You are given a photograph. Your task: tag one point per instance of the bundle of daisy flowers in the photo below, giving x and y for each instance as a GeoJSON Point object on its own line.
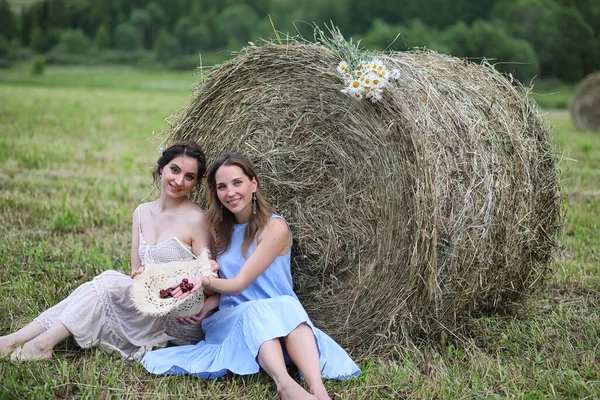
{"type": "Point", "coordinates": [367, 80]}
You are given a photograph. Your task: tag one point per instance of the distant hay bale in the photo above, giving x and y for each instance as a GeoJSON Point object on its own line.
{"type": "Point", "coordinates": [585, 105]}
{"type": "Point", "coordinates": [408, 215]}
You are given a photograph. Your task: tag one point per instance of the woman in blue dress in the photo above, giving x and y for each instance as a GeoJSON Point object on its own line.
{"type": "Point", "coordinates": [260, 321]}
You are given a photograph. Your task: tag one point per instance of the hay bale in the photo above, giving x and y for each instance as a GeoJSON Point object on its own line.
{"type": "Point", "coordinates": [408, 215]}
{"type": "Point", "coordinates": [585, 105]}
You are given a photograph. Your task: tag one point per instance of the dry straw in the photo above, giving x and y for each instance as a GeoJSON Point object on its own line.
{"type": "Point", "coordinates": [408, 215]}
{"type": "Point", "coordinates": [585, 105]}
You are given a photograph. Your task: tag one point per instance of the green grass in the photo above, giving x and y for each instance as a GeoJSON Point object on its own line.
{"type": "Point", "coordinates": [76, 160]}
{"type": "Point", "coordinates": [104, 77]}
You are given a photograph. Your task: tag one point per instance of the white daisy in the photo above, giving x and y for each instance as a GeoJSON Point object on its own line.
{"type": "Point", "coordinates": [342, 68]}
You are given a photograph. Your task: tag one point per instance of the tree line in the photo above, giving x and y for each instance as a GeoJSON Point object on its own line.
{"type": "Point", "coordinates": [547, 38]}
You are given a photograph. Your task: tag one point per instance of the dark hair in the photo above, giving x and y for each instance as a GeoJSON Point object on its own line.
{"type": "Point", "coordinates": [221, 219]}
{"type": "Point", "coordinates": [190, 149]}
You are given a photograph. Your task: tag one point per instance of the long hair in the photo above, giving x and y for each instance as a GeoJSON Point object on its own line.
{"type": "Point", "coordinates": [221, 219]}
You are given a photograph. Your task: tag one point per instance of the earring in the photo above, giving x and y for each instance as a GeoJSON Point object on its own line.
{"type": "Point", "coordinates": [254, 203]}
{"type": "Point", "coordinates": [221, 213]}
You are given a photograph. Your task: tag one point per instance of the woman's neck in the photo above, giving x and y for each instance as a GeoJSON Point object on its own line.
{"type": "Point", "coordinates": [165, 203]}
{"type": "Point", "coordinates": [242, 219]}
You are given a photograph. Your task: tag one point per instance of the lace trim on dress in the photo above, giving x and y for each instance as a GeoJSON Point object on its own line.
{"type": "Point", "coordinates": [112, 317]}
{"type": "Point", "coordinates": [45, 321]}
{"type": "Point", "coordinates": [164, 251]}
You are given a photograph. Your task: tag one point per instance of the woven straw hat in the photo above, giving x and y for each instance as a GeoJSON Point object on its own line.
{"type": "Point", "coordinates": [145, 290]}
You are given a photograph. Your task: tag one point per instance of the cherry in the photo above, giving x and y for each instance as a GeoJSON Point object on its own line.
{"type": "Point", "coordinates": [166, 293]}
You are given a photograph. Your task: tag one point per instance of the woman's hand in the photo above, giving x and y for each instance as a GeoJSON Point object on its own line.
{"type": "Point", "coordinates": [137, 272]}
{"type": "Point", "coordinates": [196, 280]}
{"type": "Point", "coordinates": [214, 267]}
{"type": "Point", "coordinates": [210, 303]}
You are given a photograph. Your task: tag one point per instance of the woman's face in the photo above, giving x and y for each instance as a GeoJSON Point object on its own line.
{"type": "Point", "coordinates": [234, 190]}
{"type": "Point", "coordinates": [179, 176]}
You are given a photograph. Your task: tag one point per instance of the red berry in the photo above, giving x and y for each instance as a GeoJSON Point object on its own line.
{"type": "Point", "coordinates": [184, 280]}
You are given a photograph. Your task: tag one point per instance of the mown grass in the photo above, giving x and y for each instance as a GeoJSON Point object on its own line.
{"type": "Point", "coordinates": [104, 77]}
{"type": "Point", "coordinates": [76, 160]}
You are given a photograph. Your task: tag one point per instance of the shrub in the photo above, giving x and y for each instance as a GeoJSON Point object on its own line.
{"type": "Point", "coordinates": [127, 38]}
{"type": "Point", "coordinates": [74, 41]}
{"type": "Point", "coordinates": [38, 65]}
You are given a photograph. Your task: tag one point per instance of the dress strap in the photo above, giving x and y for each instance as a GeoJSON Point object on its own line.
{"type": "Point", "coordinates": [139, 219]}
{"type": "Point", "coordinates": [183, 246]}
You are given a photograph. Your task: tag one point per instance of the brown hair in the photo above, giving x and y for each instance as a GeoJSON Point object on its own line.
{"type": "Point", "coordinates": [221, 219]}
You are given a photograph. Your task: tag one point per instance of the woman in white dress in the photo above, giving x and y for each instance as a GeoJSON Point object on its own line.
{"type": "Point", "coordinates": [100, 312]}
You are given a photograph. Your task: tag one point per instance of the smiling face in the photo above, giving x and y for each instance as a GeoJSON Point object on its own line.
{"type": "Point", "coordinates": [234, 190]}
{"type": "Point", "coordinates": [179, 176]}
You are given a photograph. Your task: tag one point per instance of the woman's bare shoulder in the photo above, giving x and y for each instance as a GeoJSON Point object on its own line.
{"type": "Point", "coordinates": [192, 212]}
{"type": "Point", "coordinates": [277, 226]}
{"type": "Point", "coordinates": [140, 207]}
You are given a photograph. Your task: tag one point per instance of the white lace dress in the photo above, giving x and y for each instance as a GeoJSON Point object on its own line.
{"type": "Point", "coordinates": [100, 312]}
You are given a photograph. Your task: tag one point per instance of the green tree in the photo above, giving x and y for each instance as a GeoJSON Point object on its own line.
{"type": "Point", "coordinates": [238, 23]}
{"type": "Point", "coordinates": [37, 41]}
{"type": "Point", "coordinates": [102, 38]}
{"type": "Point", "coordinates": [323, 11]}
{"type": "Point", "coordinates": [490, 41]}
{"type": "Point", "coordinates": [577, 49]}
{"type": "Point", "coordinates": [26, 26]}
{"type": "Point", "coordinates": [457, 39]}
{"type": "Point", "coordinates": [507, 53]}
{"type": "Point", "coordinates": [58, 14]}
{"type": "Point", "coordinates": [142, 21]}
{"type": "Point", "coordinates": [387, 37]}
{"type": "Point", "coordinates": [381, 36]}
{"type": "Point", "coordinates": [126, 38]}
{"type": "Point", "coordinates": [193, 37]}
{"type": "Point", "coordinates": [157, 16]}
{"type": "Point", "coordinates": [588, 9]}
{"type": "Point", "coordinates": [74, 41]}
{"type": "Point", "coordinates": [4, 46]}
{"type": "Point", "coordinates": [559, 35]}
{"type": "Point", "coordinates": [8, 24]}
{"type": "Point", "coordinates": [166, 46]}
{"type": "Point", "coordinates": [284, 14]}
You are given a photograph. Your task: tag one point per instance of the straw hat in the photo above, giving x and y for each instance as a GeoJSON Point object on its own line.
{"type": "Point", "coordinates": [145, 290]}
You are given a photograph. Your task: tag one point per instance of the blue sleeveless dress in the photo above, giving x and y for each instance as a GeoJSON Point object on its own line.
{"type": "Point", "coordinates": [268, 308]}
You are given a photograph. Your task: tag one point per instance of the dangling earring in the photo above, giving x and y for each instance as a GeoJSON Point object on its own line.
{"type": "Point", "coordinates": [221, 213]}
{"type": "Point", "coordinates": [254, 203]}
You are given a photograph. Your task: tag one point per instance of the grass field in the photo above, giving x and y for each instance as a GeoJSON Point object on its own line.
{"type": "Point", "coordinates": [76, 151]}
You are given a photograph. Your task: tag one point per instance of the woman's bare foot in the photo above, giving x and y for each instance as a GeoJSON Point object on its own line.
{"type": "Point", "coordinates": [291, 390]}
{"type": "Point", "coordinates": [7, 345]}
{"type": "Point", "coordinates": [30, 352]}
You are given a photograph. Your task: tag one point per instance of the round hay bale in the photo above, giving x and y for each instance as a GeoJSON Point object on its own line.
{"type": "Point", "coordinates": [585, 105]}
{"type": "Point", "coordinates": [408, 215]}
